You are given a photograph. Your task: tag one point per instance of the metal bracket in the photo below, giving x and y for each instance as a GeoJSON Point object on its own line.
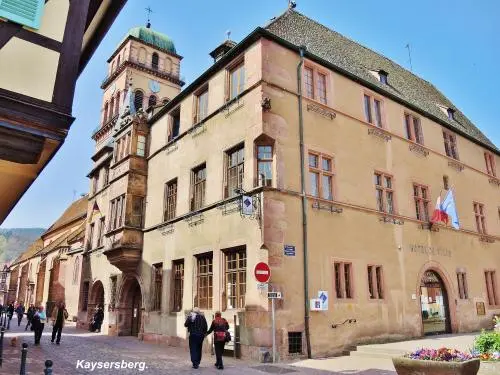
{"type": "Point", "coordinates": [327, 207]}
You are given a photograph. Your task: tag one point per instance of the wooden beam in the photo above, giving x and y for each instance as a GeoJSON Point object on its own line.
{"type": "Point", "coordinates": [7, 32]}
{"type": "Point", "coordinates": [69, 61]}
{"type": "Point", "coordinates": [20, 147]}
{"type": "Point", "coordinates": [109, 17]}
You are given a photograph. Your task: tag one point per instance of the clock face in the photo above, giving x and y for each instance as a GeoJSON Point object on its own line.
{"type": "Point", "coordinates": [113, 88]}
{"type": "Point", "coordinates": [154, 86]}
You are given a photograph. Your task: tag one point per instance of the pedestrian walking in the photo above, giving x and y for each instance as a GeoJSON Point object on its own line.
{"type": "Point", "coordinates": [97, 319]}
{"type": "Point", "coordinates": [10, 311]}
{"type": "Point", "coordinates": [59, 316]}
{"type": "Point", "coordinates": [20, 312]}
{"type": "Point", "coordinates": [197, 328]}
{"type": "Point", "coordinates": [29, 316]}
{"type": "Point", "coordinates": [220, 328]}
{"type": "Point", "coordinates": [38, 322]}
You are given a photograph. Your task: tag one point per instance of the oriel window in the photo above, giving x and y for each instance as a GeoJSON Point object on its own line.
{"type": "Point", "coordinates": [265, 165]}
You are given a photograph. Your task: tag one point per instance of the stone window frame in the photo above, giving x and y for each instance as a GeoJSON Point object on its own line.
{"type": "Point", "coordinates": [237, 64]}
{"type": "Point", "coordinates": [321, 172]}
{"type": "Point", "coordinates": [371, 115]}
{"type": "Point", "coordinates": [343, 291]}
{"type": "Point", "coordinates": [156, 286]}
{"type": "Point", "coordinates": [170, 199]}
{"type": "Point", "coordinates": [462, 285]}
{"type": "Point", "coordinates": [198, 187]}
{"type": "Point", "coordinates": [422, 201]}
{"type": "Point", "coordinates": [375, 280]}
{"type": "Point", "coordinates": [413, 128]}
{"type": "Point", "coordinates": [480, 217]}
{"type": "Point", "coordinates": [198, 96]}
{"type": "Point", "coordinates": [385, 191]}
{"type": "Point", "coordinates": [491, 287]}
{"type": "Point", "coordinates": [317, 71]}
{"type": "Point", "coordinates": [450, 144]}
{"type": "Point", "coordinates": [238, 271]}
{"type": "Point", "coordinates": [489, 160]}
{"type": "Point", "coordinates": [178, 269]}
{"type": "Point", "coordinates": [208, 276]}
{"type": "Point", "coordinates": [239, 167]}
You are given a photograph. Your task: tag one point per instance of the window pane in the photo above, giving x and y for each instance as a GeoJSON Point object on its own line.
{"type": "Point", "coordinates": [308, 81]}
{"type": "Point", "coordinates": [322, 88]}
{"type": "Point", "coordinates": [327, 187]}
{"type": "Point", "coordinates": [314, 184]}
{"type": "Point", "coordinates": [418, 131]}
{"type": "Point", "coordinates": [347, 280]}
{"type": "Point", "coordinates": [390, 206]}
{"type": "Point", "coordinates": [377, 179]}
{"type": "Point", "coordinates": [408, 127]}
{"type": "Point", "coordinates": [265, 152]}
{"type": "Point", "coordinates": [368, 111]}
{"type": "Point", "coordinates": [380, 291]}
{"type": "Point", "coordinates": [380, 203]}
{"type": "Point", "coordinates": [338, 285]}
{"type": "Point", "coordinates": [378, 113]}
{"type": "Point", "coordinates": [313, 161]}
{"type": "Point", "coordinates": [388, 182]}
{"type": "Point", "coordinates": [370, 282]}
{"type": "Point", "coordinates": [326, 164]}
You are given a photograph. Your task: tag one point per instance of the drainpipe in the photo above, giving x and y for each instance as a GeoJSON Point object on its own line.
{"type": "Point", "coordinates": [304, 203]}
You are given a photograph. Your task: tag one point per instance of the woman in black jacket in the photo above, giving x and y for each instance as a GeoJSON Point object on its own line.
{"type": "Point", "coordinates": [220, 328]}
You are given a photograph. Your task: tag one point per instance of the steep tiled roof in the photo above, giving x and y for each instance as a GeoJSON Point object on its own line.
{"type": "Point", "coordinates": [32, 249]}
{"type": "Point", "coordinates": [77, 210]}
{"type": "Point", "coordinates": [349, 56]}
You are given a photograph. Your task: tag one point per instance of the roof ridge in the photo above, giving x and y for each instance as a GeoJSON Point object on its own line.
{"type": "Point", "coordinates": [274, 19]}
{"type": "Point", "coordinates": [350, 40]}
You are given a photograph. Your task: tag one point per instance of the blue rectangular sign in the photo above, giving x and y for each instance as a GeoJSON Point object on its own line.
{"type": "Point", "coordinates": [289, 250]}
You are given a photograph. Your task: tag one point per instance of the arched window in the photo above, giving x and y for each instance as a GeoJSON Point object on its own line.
{"type": "Point", "coordinates": [117, 109]}
{"type": "Point", "coordinates": [76, 270]}
{"type": "Point", "coordinates": [111, 108]}
{"type": "Point", "coordinates": [152, 101]}
{"type": "Point", "coordinates": [138, 99]}
{"type": "Point", "coordinates": [118, 62]}
{"type": "Point", "coordinates": [154, 61]}
{"type": "Point", "coordinates": [105, 117]}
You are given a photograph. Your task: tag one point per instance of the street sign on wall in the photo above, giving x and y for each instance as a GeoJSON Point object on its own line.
{"type": "Point", "coordinates": [262, 272]}
{"type": "Point", "coordinates": [289, 250]}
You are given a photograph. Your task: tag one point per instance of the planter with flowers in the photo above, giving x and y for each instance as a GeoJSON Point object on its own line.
{"type": "Point", "coordinates": [442, 361]}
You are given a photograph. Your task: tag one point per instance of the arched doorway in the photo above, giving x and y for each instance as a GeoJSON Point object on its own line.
{"type": "Point", "coordinates": [96, 296]}
{"type": "Point", "coordinates": [130, 308]}
{"type": "Point", "coordinates": [434, 304]}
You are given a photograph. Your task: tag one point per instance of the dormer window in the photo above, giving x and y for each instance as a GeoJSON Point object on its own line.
{"type": "Point", "coordinates": [451, 113]}
{"type": "Point", "coordinates": [383, 76]}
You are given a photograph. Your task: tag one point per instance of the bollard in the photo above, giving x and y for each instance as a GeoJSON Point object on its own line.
{"type": "Point", "coordinates": [2, 332]}
{"type": "Point", "coordinates": [48, 367]}
{"type": "Point", "coordinates": [24, 353]}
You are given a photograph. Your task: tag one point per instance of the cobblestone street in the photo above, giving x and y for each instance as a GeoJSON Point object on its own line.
{"type": "Point", "coordinates": [77, 345]}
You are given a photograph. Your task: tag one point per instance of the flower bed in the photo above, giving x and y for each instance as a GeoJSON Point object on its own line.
{"type": "Point", "coordinates": [441, 361]}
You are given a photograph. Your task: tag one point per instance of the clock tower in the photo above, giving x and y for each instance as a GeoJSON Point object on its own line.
{"type": "Point", "coordinates": [143, 74]}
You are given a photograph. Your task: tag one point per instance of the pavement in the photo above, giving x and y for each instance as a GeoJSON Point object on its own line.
{"type": "Point", "coordinates": [80, 349]}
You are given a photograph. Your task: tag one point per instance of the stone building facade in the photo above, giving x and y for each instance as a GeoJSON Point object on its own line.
{"type": "Point", "coordinates": [302, 149]}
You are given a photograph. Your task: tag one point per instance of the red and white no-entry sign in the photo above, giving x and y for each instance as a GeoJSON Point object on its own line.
{"type": "Point", "coordinates": [262, 272]}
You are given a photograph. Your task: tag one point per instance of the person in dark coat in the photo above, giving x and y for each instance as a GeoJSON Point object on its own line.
{"type": "Point", "coordinates": [59, 316]}
{"type": "Point", "coordinates": [10, 311]}
{"type": "Point", "coordinates": [20, 312]}
{"type": "Point", "coordinates": [98, 319]}
{"type": "Point", "coordinates": [29, 316]}
{"type": "Point", "coordinates": [220, 328]}
{"type": "Point", "coordinates": [38, 322]}
{"type": "Point", "coordinates": [197, 328]}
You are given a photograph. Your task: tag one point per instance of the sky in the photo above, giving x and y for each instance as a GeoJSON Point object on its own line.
{"type": "Point", "coordinates": [454, 45]}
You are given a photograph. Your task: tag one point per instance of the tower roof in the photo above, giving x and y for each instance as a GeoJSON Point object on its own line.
{"type": "Point", "coordinates": [152, 37]}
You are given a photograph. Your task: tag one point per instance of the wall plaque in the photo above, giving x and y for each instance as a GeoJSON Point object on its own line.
{"type": "Point", "coordinates": [480, 308]}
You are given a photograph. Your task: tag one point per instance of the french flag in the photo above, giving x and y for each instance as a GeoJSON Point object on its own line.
{"type": "Point", "coordinates": [446, 210]}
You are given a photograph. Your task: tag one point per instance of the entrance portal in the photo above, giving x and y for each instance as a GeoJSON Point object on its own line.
{"type": "Point", "coordinates": [434, 303]}
{"type": "Point", "coordinates": [131, 307]}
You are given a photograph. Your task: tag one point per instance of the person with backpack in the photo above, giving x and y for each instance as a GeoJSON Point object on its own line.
{"type": "Point", "coordinates": [220, 328]}
{"type": "Point", "coordinates": [197, 328]}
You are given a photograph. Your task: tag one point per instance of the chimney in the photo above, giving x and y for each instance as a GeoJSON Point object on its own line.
{"type": "Point", "coordinates": [222, 49]}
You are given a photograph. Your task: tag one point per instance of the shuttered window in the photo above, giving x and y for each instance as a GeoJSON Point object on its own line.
{"type": "Point", "coordinates": [24, 12]}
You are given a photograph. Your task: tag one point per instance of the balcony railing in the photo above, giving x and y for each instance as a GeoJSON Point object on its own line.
{"type": "Point", "coordinates": [148, 65]}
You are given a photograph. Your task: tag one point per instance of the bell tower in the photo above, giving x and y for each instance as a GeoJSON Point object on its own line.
{"type": "Point", "coordinates": [143, 74]}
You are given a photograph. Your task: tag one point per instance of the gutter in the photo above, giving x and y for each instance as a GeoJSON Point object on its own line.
{"type": "Point", "coordinates": [304, 203]}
